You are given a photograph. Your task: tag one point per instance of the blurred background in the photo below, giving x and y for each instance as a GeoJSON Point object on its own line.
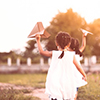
{"type": "Point", "coordinates": [18, 17]}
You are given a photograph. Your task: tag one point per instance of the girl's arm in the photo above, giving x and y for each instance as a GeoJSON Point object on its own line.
{"type": "Point", "coordinates": [79, 68]}
{"type": "Point", "coordinates": [41, 51]}
{"type": "Point", "coordinates": [83, 43]}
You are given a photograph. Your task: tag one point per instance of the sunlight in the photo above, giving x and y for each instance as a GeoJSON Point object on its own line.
{"type": "Point", "coordinates": [18, 17]}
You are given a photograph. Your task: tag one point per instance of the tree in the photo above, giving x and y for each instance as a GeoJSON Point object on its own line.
{"type": "Point", "coordinates": [4, 56]}
{"type": "Point", "coordinates": [94, 40]}
{"type": "Point", "coordinates": [70, 22]}
{"type": "Point", "coordinates": [29, 49]}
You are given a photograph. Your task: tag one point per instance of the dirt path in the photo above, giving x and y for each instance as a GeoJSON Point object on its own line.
{"type": "Point", "coordinates": [40, 93]}
{"type": "Point", "coordinates": [35, 92]}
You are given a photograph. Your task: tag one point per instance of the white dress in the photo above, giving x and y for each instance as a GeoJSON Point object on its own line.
{"type": "Point", "coordinates": [60, 82]}
{"type": "Point", "coordinates": [78, 76]}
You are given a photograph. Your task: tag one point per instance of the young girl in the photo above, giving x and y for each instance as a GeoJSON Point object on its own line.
{"type": "Point", "coordinates": [75, 47]}
{"type": "Point", "coordinates": [60, 82]}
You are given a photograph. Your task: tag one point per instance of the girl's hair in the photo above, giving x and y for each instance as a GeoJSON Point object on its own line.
{"type": "Point", "coordinates": [75, 46]}
{"type": "Point", "coordinates": [63, 39]}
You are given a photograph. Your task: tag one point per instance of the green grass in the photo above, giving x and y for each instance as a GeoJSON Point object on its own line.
{"type": "Point", "coordinates": [92, 90]}
{"type": "Point", "coordinates": [35, 80]}
{"type": "Point", "coordinates": [89, 92]}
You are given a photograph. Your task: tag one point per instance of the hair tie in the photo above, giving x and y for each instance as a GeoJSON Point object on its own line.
{"type": "Point", "coordinates": [74, 49]}
{"type": "Point", "coordinates": [62, 36]}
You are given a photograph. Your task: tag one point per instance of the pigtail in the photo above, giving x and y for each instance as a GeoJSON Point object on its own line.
{"type": "Point", "coordinates": [62, 54]}
{"type": "Point", "coordinates": [75, 46]}
{"type": "Point", "coordinates": [77, 51]}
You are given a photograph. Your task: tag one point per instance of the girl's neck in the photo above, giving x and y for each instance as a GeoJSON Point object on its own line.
{"type": "Point", "coordinates": [62, 49]}
{"type": "Point", "coordinates": [69, 49]}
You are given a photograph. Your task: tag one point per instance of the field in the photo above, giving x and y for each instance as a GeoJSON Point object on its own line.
{"type": "Point", "coordinates": [34, 80]}
{"type": "Point", "coordinates": [89, 92]}
{"type": "Point", "coordinates": [92, 90]}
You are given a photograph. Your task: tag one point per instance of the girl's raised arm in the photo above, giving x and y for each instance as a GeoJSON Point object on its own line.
{"type": "Point", "coordinates": [41, 51]}
{"type": "Point", "coordinates": [79, 68]}
{"type": "Point", "coordinates": [83, 43]}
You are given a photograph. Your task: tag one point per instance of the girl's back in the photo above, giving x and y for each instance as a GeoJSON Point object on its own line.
{"type": "Point", "coordinates": [60, 79]}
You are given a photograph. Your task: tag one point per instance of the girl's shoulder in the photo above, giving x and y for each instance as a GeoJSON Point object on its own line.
{"type": "Point", "coordinates": [67, 52]}
{"type": "Point", "coordinates": [56, 52]}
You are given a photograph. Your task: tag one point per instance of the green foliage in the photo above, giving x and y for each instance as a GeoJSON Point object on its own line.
{"type": "Point", "coordinates": [70, 22]}
{"type": "Point", "coordinates": [31, 45]}
{"type": "Point", "coordinates": [87, 51]}
{"type": "Point", "coordinates": [29, 49]}
{"type": "Point", "coordinates": [23, 57]}
{"type": "Point", "coordinates": [4, 56]}
{"type": "Point", "coordinates": [95, 28]}
{"type": "Point", "coordinates": [36, 59]}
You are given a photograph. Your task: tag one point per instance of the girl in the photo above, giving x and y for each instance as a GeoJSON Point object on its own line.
{"type": "Point", "coordinates": [60, 82]}
{"type": "Point", "coordinates": [78, 76]}
{"type": "Point", "coordinates": [75, 47]}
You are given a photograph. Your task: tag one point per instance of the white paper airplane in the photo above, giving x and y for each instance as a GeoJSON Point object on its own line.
{"type": "Point", "coordinates": [86, 32]}
{"type": "Point", "coordinates": [39, 29]}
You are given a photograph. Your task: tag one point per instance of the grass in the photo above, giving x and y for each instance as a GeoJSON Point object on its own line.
{"type": "Point", "coordinates": [92, 90]}
{"type": "Point", "coordinates": [11, 94]}
{"type": "Point", "coordinates": [34, 80]}
{"type": "Point", "coordinates": [89, 92]}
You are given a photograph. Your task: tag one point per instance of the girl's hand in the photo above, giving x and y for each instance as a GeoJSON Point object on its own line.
{"type": "Point", "coordinates": [38, 37]}
{"type": "Point", "coordinates": [84, 78]}
{"type": "Point", "coordinates": [85, 34]}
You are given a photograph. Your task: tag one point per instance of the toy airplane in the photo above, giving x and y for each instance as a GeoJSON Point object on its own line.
{"type": "Point", "coordinates": [39, 29]}
{"type": "Point", "coordinates": [86, 32]}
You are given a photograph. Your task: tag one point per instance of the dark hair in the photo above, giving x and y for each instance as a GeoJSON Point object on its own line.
{"type": "Point", "coordinates": [75, 46]}
{"type": "Point", "coordinates": [63, 39]}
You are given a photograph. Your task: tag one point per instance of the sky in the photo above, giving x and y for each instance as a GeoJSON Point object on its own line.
{"type": "Point", "coordinates": [18, 17]}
